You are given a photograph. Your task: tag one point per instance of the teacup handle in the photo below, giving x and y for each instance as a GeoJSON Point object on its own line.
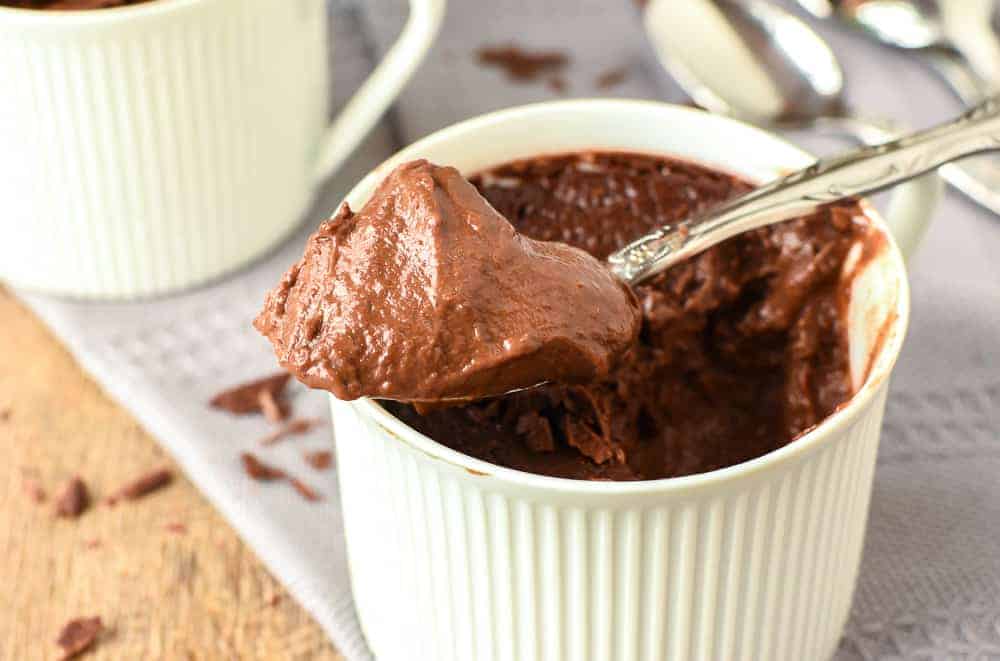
{"type": "Point", "coordinates": [382, 86]}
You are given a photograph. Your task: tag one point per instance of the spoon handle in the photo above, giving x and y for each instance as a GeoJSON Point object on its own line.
{"type": "Point", "coordinates": [977, 178]}
{"type": "Point", "coordinates": [959, 76]}
{"type": "Point", "coordinates": [851, 174]}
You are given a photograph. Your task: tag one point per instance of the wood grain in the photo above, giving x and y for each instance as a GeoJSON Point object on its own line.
{"type": "Point", "coordinates": [165, 591]}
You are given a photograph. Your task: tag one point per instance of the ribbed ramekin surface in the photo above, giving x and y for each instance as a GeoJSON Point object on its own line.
{"type": "Point", "coordinates": [450, 564]}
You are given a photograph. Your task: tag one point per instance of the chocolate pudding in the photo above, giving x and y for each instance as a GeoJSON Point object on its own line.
{"type": "Point", "coordinates": [68, 5]}
{"type": "Point", "coordinates": [428, 294]}
{"type": "Point", "coordinates": [742, 347]}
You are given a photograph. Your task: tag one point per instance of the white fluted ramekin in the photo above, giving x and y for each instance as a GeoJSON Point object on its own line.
{"type": "Point", "coordinates": [453, 558]}
{"type": "Point", "coordinates": [152, 147]}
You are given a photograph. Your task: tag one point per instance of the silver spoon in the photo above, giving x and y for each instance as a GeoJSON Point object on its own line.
{"type": "Point", "coordinates": [752, 60]}
{"type": "Point", "coordinates": [955, 37]}
{"type": "Point", "coordinates": [855, 173]}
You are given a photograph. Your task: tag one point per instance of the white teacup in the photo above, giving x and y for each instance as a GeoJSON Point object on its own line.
{"type": "Point", "coordinates": [152, 147]}
{"type": "Point", "coordinates": [453, 558]}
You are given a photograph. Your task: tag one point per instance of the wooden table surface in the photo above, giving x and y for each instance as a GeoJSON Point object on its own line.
{"type": "Point", "coordinates": [163, 592]}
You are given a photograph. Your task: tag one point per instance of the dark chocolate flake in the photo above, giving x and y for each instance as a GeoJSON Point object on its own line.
{"type": "Point", "coordinates": [258, 470]}
{"type": "Point", "coordinates": [305, 490]}
{"type": "Point", "coordinates": [142, 486]}
{"type": "Point", "coordinates": [294, 427]}
{"type": "Point", "coordinates": [589, 443]}
{"type": "Point", "coordinates": [272, 409]}
{"type": "Point", "coordinates": [537, 432]}
{"type": "Point", "coordinates": [73, 499]}
{"type": "Point", "coordinates": [320, 459]}
{"type": "Point", "coordinates": [79, 635]}
{"type": "Point", "coordinates": [246, 398]}
{"type": "Point", "coordinates": [522, 65]}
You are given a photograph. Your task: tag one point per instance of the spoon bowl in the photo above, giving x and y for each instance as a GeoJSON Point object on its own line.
{"type": "Point", "coordinates": [758, 63]}
{"type": "Point", "coordinates": [755, 61]}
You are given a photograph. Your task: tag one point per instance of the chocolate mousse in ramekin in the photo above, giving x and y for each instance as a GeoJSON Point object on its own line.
{"type": "Point", "coordinates": [706, 498]}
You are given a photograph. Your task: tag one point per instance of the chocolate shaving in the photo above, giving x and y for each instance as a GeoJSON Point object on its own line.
{"type": "Point", "coordinates": [79, 635]}
{"type": "Point", "coordinates": [258, 470]}
{"type": "Point", "coordinates": [611, 78]}
{"type": "Point", "coordinates": [320, 459]}
{"type": "Point", "coordinates": [584, 439]}
{"type": "Point", "coordinates": [522, 65]}
{"type": "Point", "coordinates": [272, 409]}
{"type": "Point", "coordinates": [73, 499]}
{"type": "Point", "coordinates": [305, 491]}
{"type": "Point", "coordinates": [293, 428]}
{"type": "Point", "coordinates": [142, 486]}
{"type": "Point", "coordinates": [246, 398]}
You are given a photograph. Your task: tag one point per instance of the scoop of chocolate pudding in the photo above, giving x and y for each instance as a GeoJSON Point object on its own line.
{"type": "Point", "coordinates": [427, 293]}
{"type": "Point", "coordinates": [742, 347]}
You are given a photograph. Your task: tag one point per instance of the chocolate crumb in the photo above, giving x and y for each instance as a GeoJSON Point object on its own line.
{"type": "Point", "coordinates": [4, 414]}
{"type": "Point", "coordinates": [522, 65]}
{"type": "Point", "coordinates": [258, 470]}
{"type": "Point", "coordinates": [304, 490]}
{"type": "Point", "coordinates": [611, 78]}
{"type": "Point", "coordinates": [73, 499]}
{"type": "Point", "coordinates": [537, 432]}
{"type": "Point", "coordinates": [142, 486]}
{"type": "Point", "coordinates": [293, 428]}
{"type": "Point", "coordinates": [274, 600]}
{"type": "Point", "coordinates": [79, 635]}
{"type": "Point", "coordinates": [246, 398]}
{"type": "Point", "coordinates": [176, 527]}
{"type": "Point", "coordinates": [320, 459]}
{"type": "Point", "coordinates": [588, 442]}
{"type": "Point", "coordinates": [557, 84]}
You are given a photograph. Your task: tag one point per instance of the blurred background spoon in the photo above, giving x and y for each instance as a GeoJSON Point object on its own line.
{"type": "Point", "coordinates": [759, 63]}
{"type": "Point", "coordinates": [955, 37]}
{"type": "Point", "coordinates": [852, 174]}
